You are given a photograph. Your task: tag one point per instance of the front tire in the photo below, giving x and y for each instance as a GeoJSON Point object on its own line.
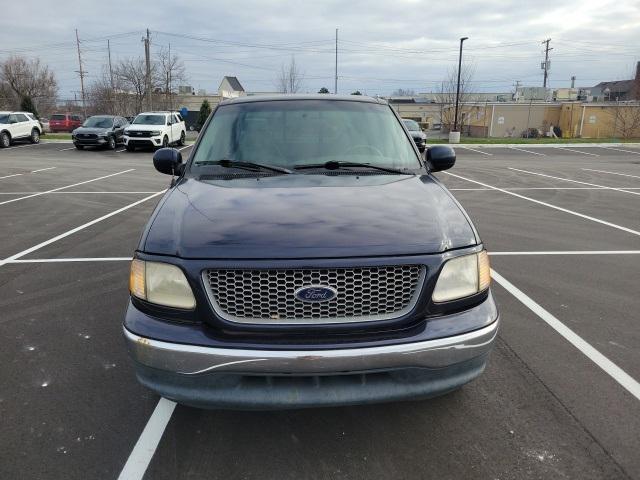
{"type": "Point", "coordinates": [182, 138]}
{"type": "Point", "coordinates": [131, 148]}
{"type": "Point", "coordinates": [5, 140]}
{"type": "Point", "coordinates": [111, 143]}
{"type": "Point", "coordinates": [80, 147]}
{"type": "Point", "coordinates": [35, 136]}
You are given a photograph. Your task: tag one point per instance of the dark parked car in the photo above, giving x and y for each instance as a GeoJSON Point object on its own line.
{"type": "Point", "coordinates": [416, 132]}
{"type": "Point", "coordinates": [303, 256]}
{"type": "Point", "coordinates": [100, 131]}
{"type": "Point", "coordinates": [64, 122]}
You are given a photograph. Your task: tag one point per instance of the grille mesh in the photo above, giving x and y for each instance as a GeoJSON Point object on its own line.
{"type": "Point", "coordinates": [268, 296]}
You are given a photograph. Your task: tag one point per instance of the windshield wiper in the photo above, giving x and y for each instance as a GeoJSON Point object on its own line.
{"type": "Point", "coordinates": [227, 163]}
{"type": "Point", "coordinates": [335, 165]}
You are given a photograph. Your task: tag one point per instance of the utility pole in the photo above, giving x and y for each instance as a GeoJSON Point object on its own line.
{"type": "Point", "coordinates": [169, 75]}
{"type": "Point", "coordinates": [335, 87]}
{"type": "Point", "coordinates": [147, 58]}
{"type": "Point", "coordinates": [111, 79]}
{"type": "Point", "coordinates": [81, 72]}
{"type": "Point", "coordinates": [547, 64]}
{"type": "Point", "coordinates": [573, 81]}
{"type": "Point", "coordinates": [455, 120]}
{"type": "Point", "coordinates": [110, 68]}
{"type": "Point", "coordinates": [517, 86]}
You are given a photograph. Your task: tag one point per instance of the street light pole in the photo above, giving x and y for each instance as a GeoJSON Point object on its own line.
{"type": "Point", "coordinates": [455, 119]}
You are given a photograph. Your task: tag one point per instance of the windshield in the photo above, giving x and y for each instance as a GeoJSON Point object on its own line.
{"type": "Point", "coordinates": [149, 120]}
{"type": "Point", "coordinates": [98, 122]}
{"type": "Point", "coordinates": [411, 125]}
{"type": "Point", "coordinates": [303, 132]}
{"type": "Point", "coordinates": [58, 116]}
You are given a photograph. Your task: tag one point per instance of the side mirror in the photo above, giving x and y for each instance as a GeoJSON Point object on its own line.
{"type": "Point", "coordinates": [168, 160]}
{"type": "Point", "coordinates": [441, 157]}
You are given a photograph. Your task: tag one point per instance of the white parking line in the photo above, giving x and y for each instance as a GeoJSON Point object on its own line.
{"type": "Point", "coordinates": [9, 176]}
{"type": "Point", "coordinates": [66, 260]}
{"type": "Point", "coordinates": [493, 254]}
{"type": "Point", "coordinates": [555, 207]}
{"type": "Point", "coordinates": [147, 444]}
{"type": "Point", "coordinates": [65, 149]}
{"type": "Point", "coordinates": [96, 192]}
{"type": "Point", "coordinates": [21, 146]}
{"type": "Point", "coordinates": [621, 150]}
{"type": "Point", "coordinates": [528, 151]}
{"type": "Point", "coordinates": [513, 189]}
{"type": "Point", "coordinates": [569, 252]}
{"type": "Point", "coordinates": [474, 150]}
{"type": "Point", "coordinates": [29, 250]}
{"type": "Point", "coordinates": [611, 173]}
{"type": "Point", "coordinates": [119, 151]}
{"type": "Point", "coordinates": [63, 188]}
{"type": "Point", "coordinates": [42, 169]}
{"type": "Point", "coordinates": [619, 375]}
{"type": "Point", "coordinates": [578, 151]}
{"type": "Point", "coordinates": [575, 181]}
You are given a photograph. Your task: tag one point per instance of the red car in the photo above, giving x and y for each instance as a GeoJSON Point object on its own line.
{"type": "Point", "coordinates": [64, 122]}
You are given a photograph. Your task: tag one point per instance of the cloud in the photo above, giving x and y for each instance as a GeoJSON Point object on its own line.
{"type": "Point", "coordinates": [383, 45]}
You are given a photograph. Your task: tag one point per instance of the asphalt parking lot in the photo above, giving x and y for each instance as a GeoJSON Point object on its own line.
{"type": "Point", "coordinates": [560, 397]}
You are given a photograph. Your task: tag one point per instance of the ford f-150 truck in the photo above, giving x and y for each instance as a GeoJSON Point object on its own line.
{"type": "Point", "coordinates": [305, 255]}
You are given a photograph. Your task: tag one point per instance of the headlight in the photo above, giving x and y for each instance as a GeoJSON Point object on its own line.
{"type": "Point", "coordinates": [155, 133]}
{"type": "Point", "coordinates": [463, 276]}
{"type": "Point", "coordinates": [126, 132]}
{"type": "Point", "coordinates": [160, 283]}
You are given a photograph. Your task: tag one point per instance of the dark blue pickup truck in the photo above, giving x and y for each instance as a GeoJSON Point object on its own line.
{"type": "Point", "coordinates": [304, 256]}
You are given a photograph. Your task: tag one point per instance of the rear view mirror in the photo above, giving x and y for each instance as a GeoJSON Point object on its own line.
{"type": "Point", "coordinates": [168, 160]}
{"type": "Point", "coordinates": [441, 157]}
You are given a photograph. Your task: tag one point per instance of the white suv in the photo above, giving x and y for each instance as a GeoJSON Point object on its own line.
{"type": "Point", "coordinates": [155, 129]}
{"type": "Point", "coordinates": [18, 125]}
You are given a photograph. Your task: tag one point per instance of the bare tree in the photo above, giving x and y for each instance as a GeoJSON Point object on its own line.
{"type": "Point", "coordinates": [132, 74]}
{"type": "Point", "coordinates": [7, 97]}
{"type": "Point", "coordinates": [21, 78]}
{"type": "Point", "coordinates": [626, 120]}
{"type": "Point", "coordinates": [404, 92]}
{"type": "Point", "coordinates": [290, 78]}
{"type": "Point", "coordinates": [170, 71]}
{"type": "Point", "coordinates": [446, 96]}
{"type": "Point", "coordinates": [103, 97]}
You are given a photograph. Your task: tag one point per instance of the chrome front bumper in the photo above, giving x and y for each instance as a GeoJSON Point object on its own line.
{"type": "Point", "coordinates": [193, 360]}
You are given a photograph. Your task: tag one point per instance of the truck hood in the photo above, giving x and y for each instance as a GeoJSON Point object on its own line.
{"type": "Point", "coordinates": [145, 128]}
{"type": "Point", "coordinates": [307, 216]}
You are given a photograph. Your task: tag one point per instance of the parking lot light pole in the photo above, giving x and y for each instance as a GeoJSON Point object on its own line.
{"type": "Point", "coordinates": [455, 119]}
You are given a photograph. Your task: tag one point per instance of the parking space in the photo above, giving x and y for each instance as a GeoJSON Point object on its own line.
{"type": "Point", "coordinates": [560, 397]}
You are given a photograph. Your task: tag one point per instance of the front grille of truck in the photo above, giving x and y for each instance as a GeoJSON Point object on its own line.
{"type": "Point", "coordinates": [139, 134]}
{"type": "Point", "coordinates": [268, 296]}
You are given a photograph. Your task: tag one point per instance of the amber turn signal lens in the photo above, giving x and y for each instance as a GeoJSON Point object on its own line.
{"type": "Point", "coordinates": [137, 280]}
{"type": "Point", "coordinates": [484, 271]}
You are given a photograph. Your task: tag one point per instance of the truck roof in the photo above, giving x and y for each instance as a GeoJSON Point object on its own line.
{"type": "Point", "coordinates": [318, 96]}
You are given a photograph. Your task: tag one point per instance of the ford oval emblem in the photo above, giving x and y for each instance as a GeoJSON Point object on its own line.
{"type": "Point", "coordinates": [315, 294]}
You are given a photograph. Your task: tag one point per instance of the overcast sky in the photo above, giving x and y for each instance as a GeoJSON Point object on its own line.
{"type": "Point", "coordinates": [383, 45]}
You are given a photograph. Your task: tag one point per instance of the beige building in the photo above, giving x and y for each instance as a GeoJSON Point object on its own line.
{"type": "Point", "coordinates": [426, 114]}
{"type": "Point", "coordinates": [575, 119]}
